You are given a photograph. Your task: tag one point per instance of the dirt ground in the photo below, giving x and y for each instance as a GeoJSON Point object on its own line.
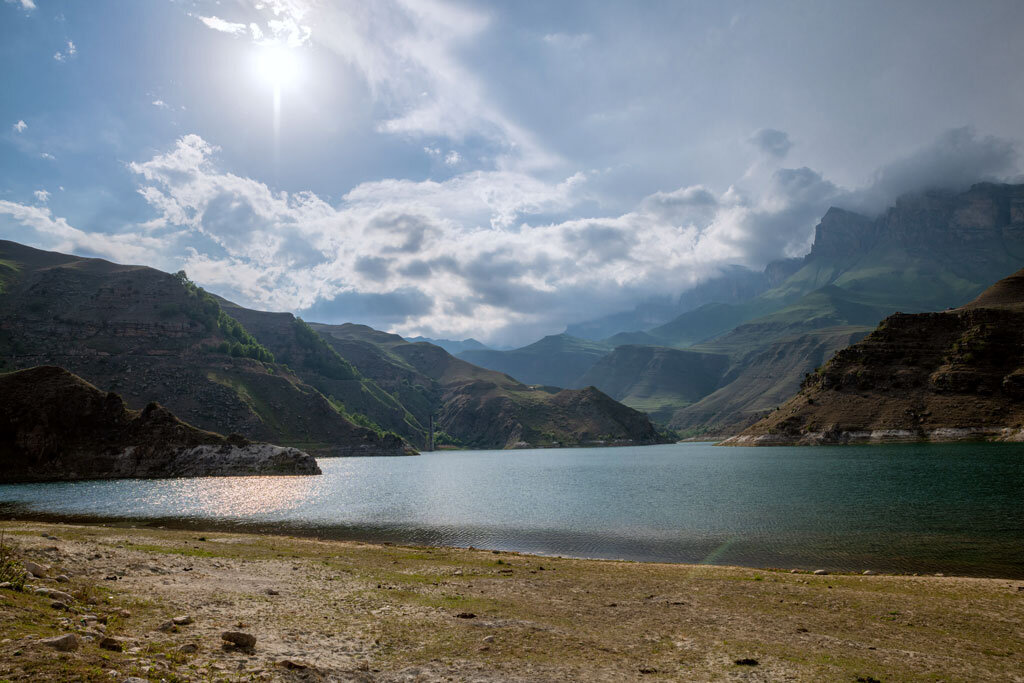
{"type": "Point", "coordinates": [327, 610]}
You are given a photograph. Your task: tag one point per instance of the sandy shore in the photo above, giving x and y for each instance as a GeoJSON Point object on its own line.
{"type": "Point", "coordinates": [329, 610]}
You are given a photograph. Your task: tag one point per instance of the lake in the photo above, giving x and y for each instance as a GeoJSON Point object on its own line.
{"type": "Point", "coordinates": [951, 508]}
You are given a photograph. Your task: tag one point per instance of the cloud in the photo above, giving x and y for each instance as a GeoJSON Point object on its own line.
{"type": "Point", "coordinates": [47, 156]}
{"type": "Point", "coordinates": [452, 158]}
{"type": "Point", "coordinates": [49, 232]}
{"type": "Point", "coordinates": [218, 24]}
{"type": "Point", "coordinates": [69, 52]}
{"type": "Point", "coordinates": [160, 104]}
{"type": "Point", "coordinates": [958, 158]}
{"type": "Point", "coordinates": [20, 126]}
{"type": "Point", "coordinates": [42, 196]}
{"type": "Point", "coordinates": [27, 5]}
{"type": "Point", "coordinates": [472, 252]}
{"type": "Point", "coordinates": [775, 143]}
{"type": "Point", "coordinates": [567, 41]}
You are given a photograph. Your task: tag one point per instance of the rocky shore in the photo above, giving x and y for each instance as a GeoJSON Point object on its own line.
{"type": "Point", "coordinates": [127, 604]}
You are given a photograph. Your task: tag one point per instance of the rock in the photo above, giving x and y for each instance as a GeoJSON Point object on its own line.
{"type": "Point", "coordinates": [65, 643]}
{"type": "Point", "coordinates": [55, 594]}
{"type": "Point", "coordinates": [62, 578]}
{"type": "Point", "coordinates": [134, 679]}
{"type": "Point", "coordinates": [239, 639]}
{"type": "Point", "coordinates": [868, 572]}
{"type": "Point", "coordinates": [746, 661]}
{"type": "Point", "coordinates": [34, 569]}
{"type": "Point", "coordinates": [167, 627]}
{"type": "Point", "coordinates": [820, 572]}
{"type": "Point", "coordinates": [488, 639]}
{"type": "Point", "coordinates": [465, 615]}
{"type": "Point", "coordinates": [183, 620]}
{"type": "Point", "coordinates": [188, 648]}
{"type": "Point", "coordinates": [7, 585]}
{"type": "Point", "coordinates": [292, 665]}
{"type": "Point", "coordinates": [112, 644]}
{"type": "Point", "coordinates": [273, 591]}
{"type": "Point", "coordinates": [57, 604]}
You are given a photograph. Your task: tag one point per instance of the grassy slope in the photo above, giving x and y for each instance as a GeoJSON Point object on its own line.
{"type": "Point", "coordinates": [349, 608]}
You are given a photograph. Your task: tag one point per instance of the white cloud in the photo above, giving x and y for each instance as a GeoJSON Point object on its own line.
{"type": "Point", "coordinates": [567, 41]}
{"type": "Point", "coordinates": [47, 156]}
{"type": "Point", "coordinates": [42, 196]}
{"type": "Point", "coordinates": [49, 232]}
{"type": "Point", "coordinates": [218, 24]}
{"type": "Point", "coordinates": [461, 257]}
{"type": "Point", "coordinates": [69, 52]}
{"type": "Point", "coordinates": [452, 158]}
{"type": "Point", "coordinates": [27, 5]}
{"type": "Point", "coordinates": [160, 103]}
{"type": "Point", "coordinates": [20, 126]}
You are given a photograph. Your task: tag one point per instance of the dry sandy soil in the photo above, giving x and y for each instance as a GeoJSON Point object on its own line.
{"type": "Point", "coordinates": [326, 610]}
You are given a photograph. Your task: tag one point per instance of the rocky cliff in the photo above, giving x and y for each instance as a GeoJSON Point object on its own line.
{"type": "Point", "coordinates": [954, 375]}
{"type": "Point", "coordinates": [56, 426]}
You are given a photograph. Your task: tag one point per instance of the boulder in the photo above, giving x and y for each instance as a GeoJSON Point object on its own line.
{"type": "Point", "coordinates": [65, 643]}
{"type": "Point", "coordinates": [239, 639]}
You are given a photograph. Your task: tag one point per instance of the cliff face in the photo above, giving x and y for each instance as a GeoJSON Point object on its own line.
{"type": "Point", "coordinates": [483, 408]}
{"type": "Point", "coordinates": [56, 426]}
{"type": "Point", "coordinates": [151, 337]}
{"type": "Point", "coordinates": [953, 375]}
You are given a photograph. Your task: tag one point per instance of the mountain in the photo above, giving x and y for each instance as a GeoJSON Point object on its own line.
{"type": "Point", "coordinates": [733, 285]}
{"type": "Point", "coordinates": [57, 426]}
{"type": "Point", "coordinates": [556, 360]}
{"type": "Point", "coordinates": [482, 408]}
{"type": "Point", "coordinates": [954, 375]}
{"type": "Point", "coordinates": [152, 336]}
{"type": "Point", "coordinates": [656, 380]}
{"type": "Point", "coordinates": [929, 251]}
{"type": "Point", "coordinates": [451, 346]}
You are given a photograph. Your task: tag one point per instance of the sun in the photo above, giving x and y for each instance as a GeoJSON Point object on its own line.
{"type": "Point", "coordinates": [276, 65]}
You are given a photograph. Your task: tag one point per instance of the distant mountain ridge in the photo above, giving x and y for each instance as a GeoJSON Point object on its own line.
{"type": "Point", "coordinates": [484, 408]}
{"type": "Point", "coordinates": [946, 376]}
{"type": "Point", "coordinates": [929, 251]}
{"type": "Point", "coordinates": [452, 346]}
{"type": "Point", "coordinates": [270, 376]}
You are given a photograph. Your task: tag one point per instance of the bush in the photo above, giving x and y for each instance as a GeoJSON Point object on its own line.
{"type": "Point", "coordinates": [11, 569]}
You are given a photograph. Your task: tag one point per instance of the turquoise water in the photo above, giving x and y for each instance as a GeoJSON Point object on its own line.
{"type": "Point", "coordinates": [956, 508]}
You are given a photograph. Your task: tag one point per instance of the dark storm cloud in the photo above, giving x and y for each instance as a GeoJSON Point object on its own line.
{"type": "Point", "coordinates": [772, 142]}
{"type": "Point", "coordinates": [373, 267]}
{"type": "Point", "coordinates": [376, 310]}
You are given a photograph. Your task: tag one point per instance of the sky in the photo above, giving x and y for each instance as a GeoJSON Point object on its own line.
{"type": "Point", "coordinates": [489, 170]}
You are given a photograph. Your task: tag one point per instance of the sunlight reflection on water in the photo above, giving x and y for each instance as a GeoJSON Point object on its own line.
{"type": "Point", "coordinates": [954, 508]}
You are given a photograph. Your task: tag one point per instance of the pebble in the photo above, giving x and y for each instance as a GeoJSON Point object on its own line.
{"type": "Point", "coordinates": [65, 643]}
{"type": "Point", "coordinates": [167, 626]}
{"type": "Point", "coordinates": [183, 620]}
{"type": "Point", "coordinates": [273, 591]}
{"type": "Point", "coordinates": [239, 638]}
{"type": "Point", "coordinates": [62, 579]}
{"type": "Point", "coordinates": [188, 648]}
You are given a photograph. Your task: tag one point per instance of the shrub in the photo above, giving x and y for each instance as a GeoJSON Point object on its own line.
{"type": "Point", "coordinates": [11, 569]}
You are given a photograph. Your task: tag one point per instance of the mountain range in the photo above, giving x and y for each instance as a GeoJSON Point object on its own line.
{"type": "Point", "coordinates": [928, 252]}
{"type": "Point", "coordinates": [951, 375]}
{"type": "Point", "coordinates": [154, 336]}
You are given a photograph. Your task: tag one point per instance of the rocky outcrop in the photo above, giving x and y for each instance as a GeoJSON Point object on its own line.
{"type": "Point", "coordinates": [955, 375]}
{"type": "Point", "coordinates": [55, 426]}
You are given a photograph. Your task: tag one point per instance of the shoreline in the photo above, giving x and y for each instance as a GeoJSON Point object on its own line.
{"type": "Point", "coordinates": [345, 610]}
{"type": "Point", "coordinates": [14, 512]}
